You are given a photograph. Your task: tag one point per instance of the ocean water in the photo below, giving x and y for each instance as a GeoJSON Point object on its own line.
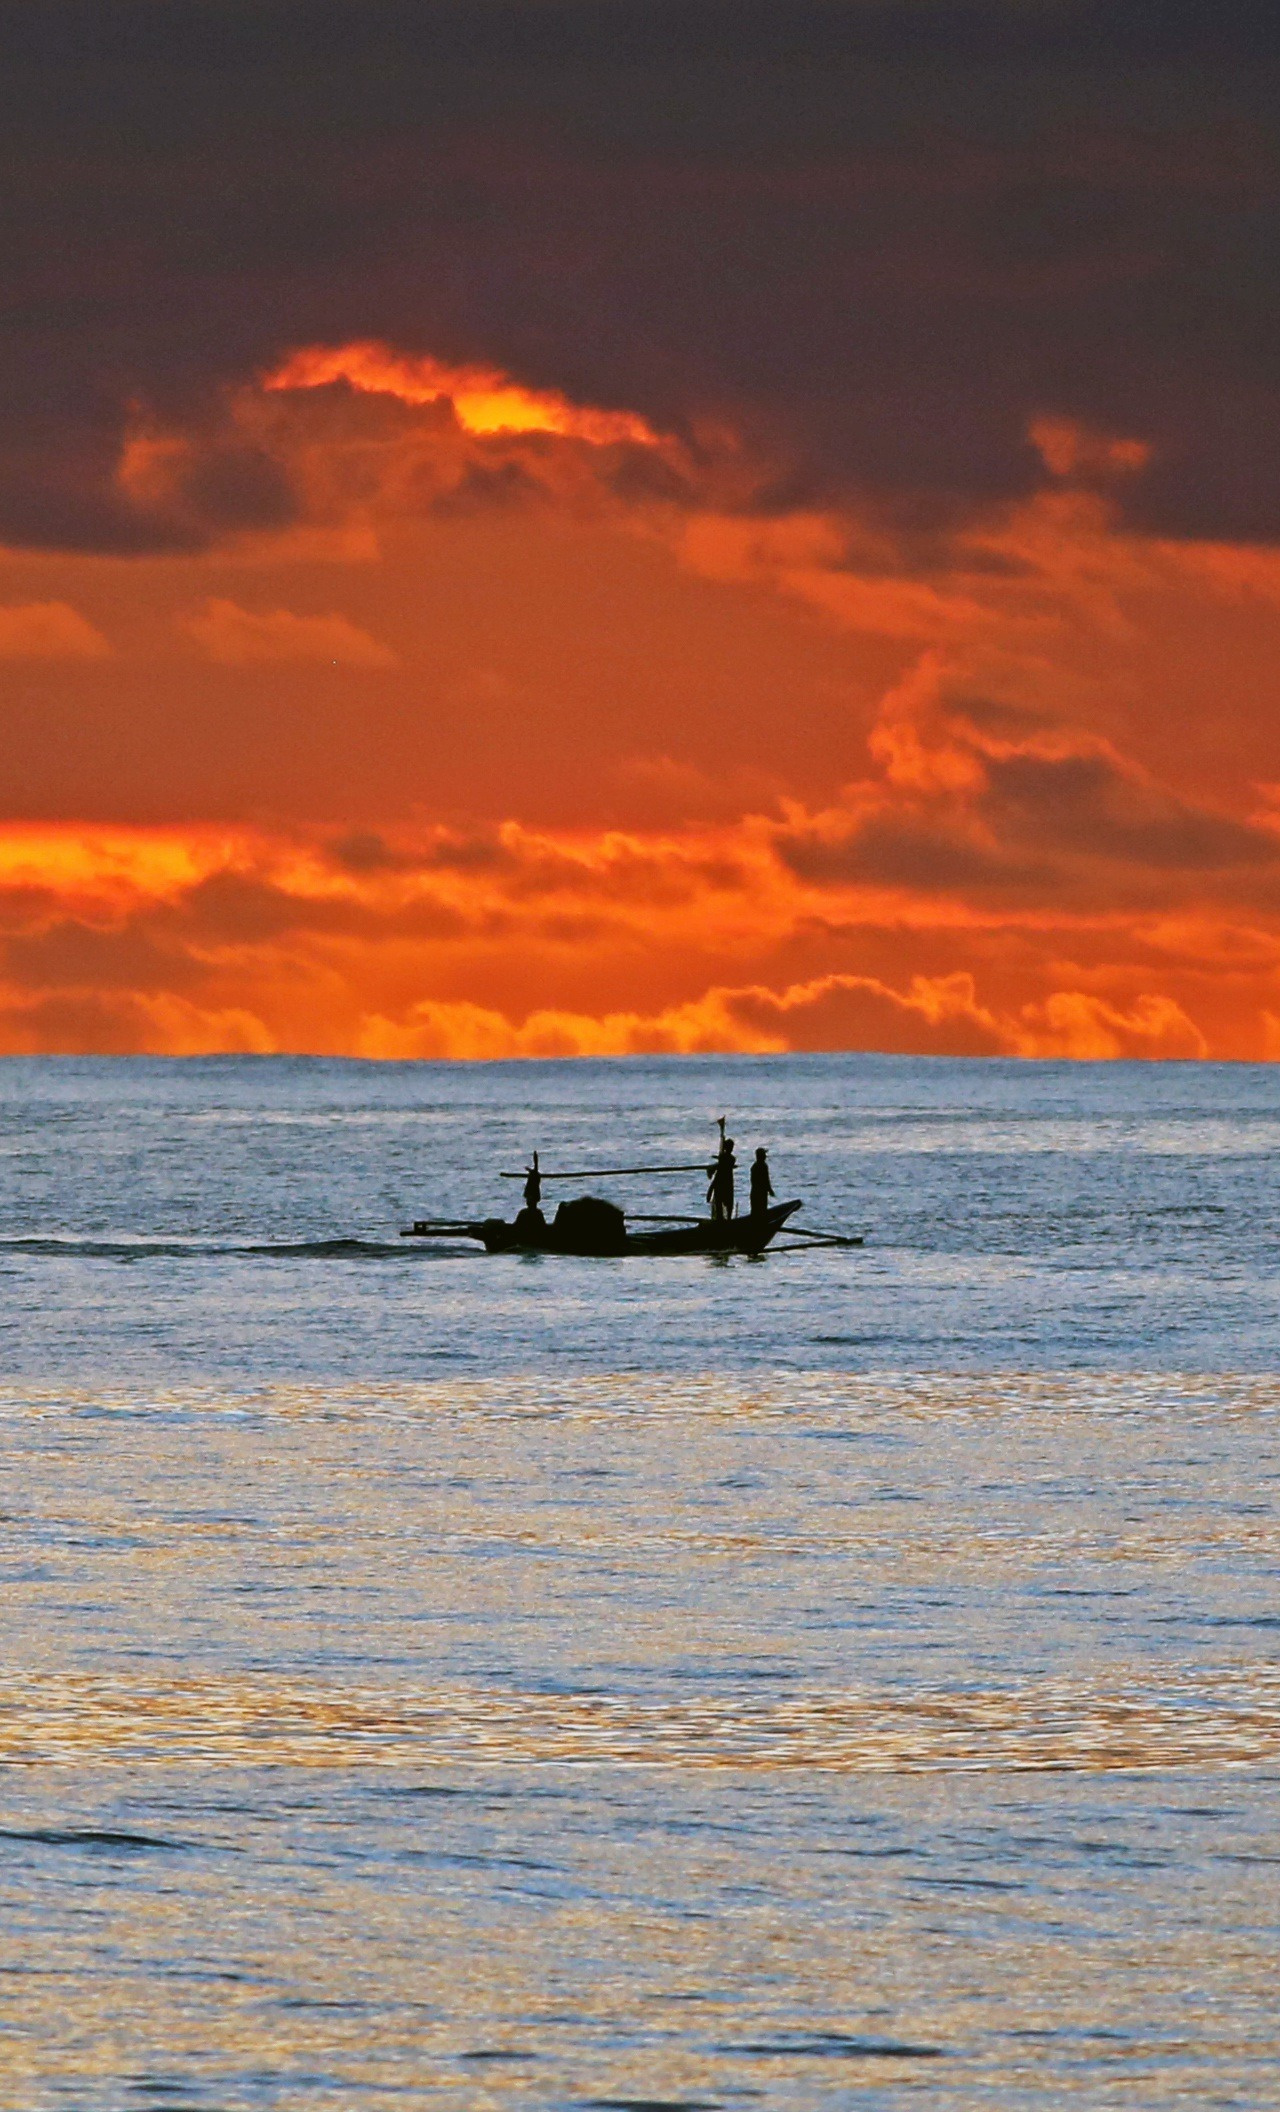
{"type": "Point", "coordinates": [845, 1679]}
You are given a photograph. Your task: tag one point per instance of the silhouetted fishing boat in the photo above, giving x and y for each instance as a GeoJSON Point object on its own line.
{"type": "Point", "coordinates": [593, 1227]}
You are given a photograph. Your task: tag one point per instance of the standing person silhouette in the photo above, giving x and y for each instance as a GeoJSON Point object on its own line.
{"type": "Point", "coordinates": [531, 1225]}
{"type": "Point", "coordinates": [720, 1171]}
{"type": "Point", "coordinates": [761, 1185]}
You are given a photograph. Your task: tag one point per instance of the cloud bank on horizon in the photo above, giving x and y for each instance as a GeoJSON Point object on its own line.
{"type": "Point", "coordinates": [599, 526]}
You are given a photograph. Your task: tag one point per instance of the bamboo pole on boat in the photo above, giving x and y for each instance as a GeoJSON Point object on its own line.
{"type": "Point", "coordinates": [609, 1173]}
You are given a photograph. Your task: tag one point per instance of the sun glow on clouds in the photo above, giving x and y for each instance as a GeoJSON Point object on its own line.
{"type": "Point", "coordinates": [995, 864]}
{"type": "Point", "coordinates": [485, 400]}
{"type": "Point", "coordinates": [1029, 848]}
{"type": "Point", "coordinates": [106, 866]}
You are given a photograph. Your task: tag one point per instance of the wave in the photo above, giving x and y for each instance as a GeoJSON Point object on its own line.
{"type": "Point", "coordinates": [68, 1247]}
{"type": "Point", "coordinates": [89, 1837]}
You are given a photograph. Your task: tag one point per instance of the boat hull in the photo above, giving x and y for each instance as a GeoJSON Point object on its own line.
{"type": "Point", "coordinates": [734, 1235]}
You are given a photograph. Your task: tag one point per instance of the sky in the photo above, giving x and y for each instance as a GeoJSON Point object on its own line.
{"type": "Point", "coordinates": [536, 527]}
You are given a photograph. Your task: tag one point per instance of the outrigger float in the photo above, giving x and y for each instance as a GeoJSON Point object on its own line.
{"type": "Point", "coordinates": [591, 1227]}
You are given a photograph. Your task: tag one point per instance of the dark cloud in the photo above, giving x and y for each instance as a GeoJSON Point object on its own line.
{"type": "Point", "coordinates": [236, 487]}
{"type": "Point", "coordinates": [79, 1023]}
{"type": "Point", "coordinates": [363, 851]}
{"type": "Point", "coordinates": [1086, 805]}
{"type": "Point", "coordinates": [366, 851]}
{"type": "Point", "coordinates": [882, 236]}
{"type": "Point", "coordinates": [173, 946]}
{"type": "Point", "coordinates": [238, 909]}
{"type": "Point", "coordinates": [70, 954]}
{"type": "Point", "coordinates": [857, 1012]}
{"type": "Point", "coordinates": [1031, 826]}
{"type": "Point", "coordinates": [895, 851]}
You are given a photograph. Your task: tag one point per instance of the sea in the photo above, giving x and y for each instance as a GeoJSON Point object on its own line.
{"type": "Point", "coordinates": [848, 1678]}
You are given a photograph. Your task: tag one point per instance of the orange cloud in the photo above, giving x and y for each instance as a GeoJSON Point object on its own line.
{"type": "Point", "coordinates": [462, 1031]}
{"type": "Point", "coordinates": [125, 1023]}
{"type": "Point", "coordinates": [989, 802]}
{"type": "Point", "coordinates": [485, 401]}
{"type": "Point", "coordinates": [823, 560]}
{"type": "Point", "coordinates": [113, 868]}
{"type": "Point", "coordinates": [436, 943]}
{"type": "Point", "coordinates": [836, 1011]}
{"type": "Point", "coordinates": [1069, 449]}
{"type": "Point", "coordinates": [941, 784]}
{"type": "Point", "coordinates": [338, 439]}
{"type": "Point", "coordinates": [49, 630]}
{"type": "Point", "coordinates": [238, 637]}
{"type": "Point", "coordinates": [1072, 1023]}
{"type": "Point", "coordinates": [937, 1015]}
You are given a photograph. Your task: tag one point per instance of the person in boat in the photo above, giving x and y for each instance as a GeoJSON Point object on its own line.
{"type": "Point", "coordinates": [530, 1223]}
{"type": "Point", "coordinates": [761, 1185]}
{"type": "Point", "coordinates": [721, 1171]}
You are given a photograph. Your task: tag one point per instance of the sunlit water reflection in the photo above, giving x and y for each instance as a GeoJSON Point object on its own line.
{"type": "Point", "coordinates": [835, 1681]}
